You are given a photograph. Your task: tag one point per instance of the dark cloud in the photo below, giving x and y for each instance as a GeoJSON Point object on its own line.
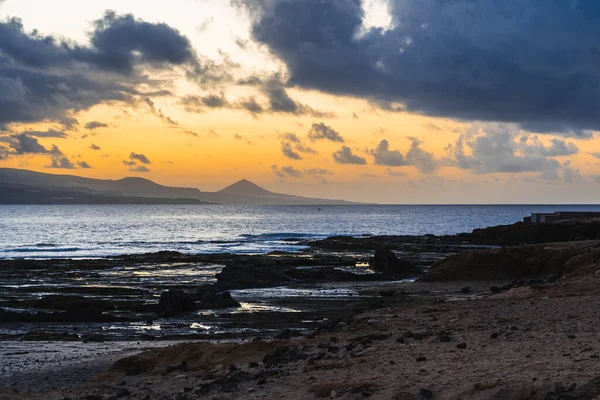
{"type": "Point", "coordinates": [83, 164]}
{"type": "Point", "coordinates": [281, 102]}
{"type": "Point", "coordinates": [250, 104]}
{"type": "Point", "coordinates": [534, 63]}
{"type": "Point", "coordinates": [3, 153]}
{"type": "Point", "coordinates": [43, 78]}
{"type": "Point", "coordinates": [45, 134]}
{"type": "Point", "coordinates": [286, 172]}
{"type": "Point", "coordinates": [61, 163]}
{"type": "Point", "coordinates": [129, 163]}
{"type": "Point", "coordinates": [138, 157]}
{"type": "Point", "coordinates": [198, 104]}
{"type": "Point", "coordinates": [95, 147]}
{"type": "Point", "coordinates": [345, 156]}
{"type": "Point", "coordinates": [322, 131]}
{"type": "Point", "coordinates": [95, 125]}
{"type": "Point", "coordinates": [290, 137]}
{"type": "Point", "coordinates": [24, 144]}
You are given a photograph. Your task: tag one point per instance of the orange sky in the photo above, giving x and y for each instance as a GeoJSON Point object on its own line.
{"type": "Point", "coordinates": [214, 148]}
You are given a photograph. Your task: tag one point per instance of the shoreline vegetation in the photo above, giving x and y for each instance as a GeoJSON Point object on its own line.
{"type": "Point", "coordinates": [503, 312]}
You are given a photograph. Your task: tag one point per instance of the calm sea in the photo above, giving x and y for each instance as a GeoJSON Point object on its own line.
{"type": "Point", "coordinates": [87, 231]}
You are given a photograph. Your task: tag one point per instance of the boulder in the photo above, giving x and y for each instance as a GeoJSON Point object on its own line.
{"type": "Point", "coordinates": [386, 262]}
{"type": "Point", "coordinates": [210, 300]}
{"type": "Point", "coordinates": [174, 301]}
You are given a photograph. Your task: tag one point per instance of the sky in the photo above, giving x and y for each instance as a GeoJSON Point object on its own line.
{"type": "Point", "coordinates": [387, 101]}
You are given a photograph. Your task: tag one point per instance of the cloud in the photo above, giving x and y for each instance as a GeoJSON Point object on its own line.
{"type": "Point", "coordinates": [286, 149]}
{"type": "Point", "coordinates": [322, 131]}
{"type": "Point", "coordinates": [533, 63]}
{"type": "Point", "coordinates": [422, 160]}
{"type": "Point", "coordinates": [281, 102]}
{"type": "Point", "coordinates": [250, 104]}
{"type": "Point", "coordinates": [198, 104]}
{"type": "Point", "coordinates": [94, 147]}
{"type": "Point", "coordinates": [345, 156]}
{"type": "Point", "coordinates": [43, 78]}
{"type": "Point", "coordinates": [384, 156]}
{"type": "Point", "coordinates": [83, 164]}
{"type": "Point", "coordinates": [292, 146]}
{"type": "Point", "coordinates": [318, 171]}
{"type": "Point", "coordinates": [158, 112]}
{"type": "Point", "coordinates": [46, 134]}
{"type": "Point", "coordinates": [286, 172]}
{"type": "Point", "coordinates": [138, 157]}
{"type": "Point", "coordinates": [61, 163]}
{"type": "Point", "coordinates": [24, 144]}
{"type": "Point", "coordinates": [139, 168]}
{"type": "Point", "coordinates": [95, 125]}
{"type": "Point", "coordinates": [498, 148]}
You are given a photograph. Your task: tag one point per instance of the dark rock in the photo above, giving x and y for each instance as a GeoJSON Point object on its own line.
{"type": "Point", "coordinates": [288, 334]}
{"type": "Point", "coordinates": [175, 301]}
{"type": "Point", "coordinates": [494, 335]}
{"type": "Point", "coordinates": [217, 300]}
{"type": "Point", "coordinates": [495, 289]}
{"type": "Point", "coordinates": [465, 289]}
{"type": "Point", "coordinates": [426, 393]}
{"type": "Point", "coordinates": [461, 346]}
{"type": "Point", "coordinates": [261, 381]}
{"type": "Point", "coordinates": [386, 262]}
{"type": "Point", "coordinates": [253, 365]}
{"type": "Point", "coordinates": [122, 392]}
{"type": "Point", "coordinates": [421, 358]}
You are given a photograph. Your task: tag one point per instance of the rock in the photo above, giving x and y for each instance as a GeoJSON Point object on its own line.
{"type": "Point", "coordinates": [421, 359]}
{"type": "Point", "coordinates": [175, 301]}
{"type": "Point", "coordinates": [461, 346]}
{"type": "Point", "coordinates": [253, 365]}
{"type": "Point", "coordinates": [386, 262]}
{"type": "Point", "coordinates": [465, 289]}
{"type": "Point", "coordinates": [122, 392]}
{"type": "Point", "coordinates": [426, 393]}
{"type": "Point", "coordinates": [283, 355]}
{"type": "Point", "coordinates": [217, 300]}
{"type": "Point", "coordinates": [288, 334]}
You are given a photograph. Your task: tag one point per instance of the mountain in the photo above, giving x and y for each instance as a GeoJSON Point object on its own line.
{"type": "Point", "coordinates": [22, 194]}
{"type": "Point", "coordinates": [246, 188]}
{"type": "Point", "coordinates": [242, 192]}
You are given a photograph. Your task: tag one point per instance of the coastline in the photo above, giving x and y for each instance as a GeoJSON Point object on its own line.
{"type": "Point", "coordinates": [415, 330]}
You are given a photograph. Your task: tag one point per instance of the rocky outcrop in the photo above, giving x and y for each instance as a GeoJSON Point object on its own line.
{"type": "Point", "coordinates": [519, 263]}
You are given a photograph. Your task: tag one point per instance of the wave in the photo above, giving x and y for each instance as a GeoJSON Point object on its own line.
{"type": "Point", "coordinates": [280, 236]}
{"type": "Point", "coordinates": [38, 250]}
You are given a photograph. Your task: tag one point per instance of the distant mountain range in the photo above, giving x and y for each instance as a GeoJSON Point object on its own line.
{"type": "Point", "coordinates": [19, 186]}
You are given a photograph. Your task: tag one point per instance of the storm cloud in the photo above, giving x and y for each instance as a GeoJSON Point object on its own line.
{"type": "Point", "coordinates": [534, 63]}
{"type": "Point", "coordinates": [43, 78]}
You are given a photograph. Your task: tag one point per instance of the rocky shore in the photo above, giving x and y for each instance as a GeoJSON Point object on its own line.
{"type": "Point", "coordinates": [487, 319]}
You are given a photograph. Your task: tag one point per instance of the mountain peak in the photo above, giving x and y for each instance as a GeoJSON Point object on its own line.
{"type": "Point", "coordinates": [246, 187]}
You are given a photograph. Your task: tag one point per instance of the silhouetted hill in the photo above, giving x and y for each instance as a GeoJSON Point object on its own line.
{"type": "Point", "coordinates": [246, 188]}
{"type": "Point", "coordinates": [242, 192]}
{"type": "Point", "coordinates": [21, 194]}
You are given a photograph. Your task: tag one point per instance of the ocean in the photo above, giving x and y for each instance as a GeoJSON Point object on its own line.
{"type": "Point", "coordinates": [91, 231]}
